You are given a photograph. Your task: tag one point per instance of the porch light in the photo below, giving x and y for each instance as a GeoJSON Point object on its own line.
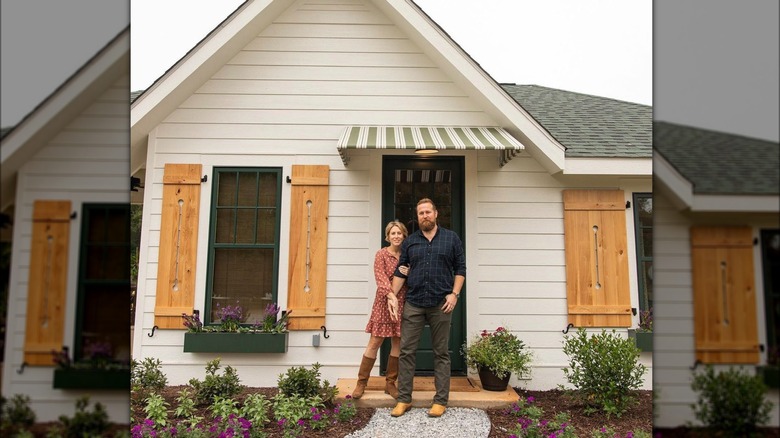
{"type": "Point", "coordinates": [426, 150]}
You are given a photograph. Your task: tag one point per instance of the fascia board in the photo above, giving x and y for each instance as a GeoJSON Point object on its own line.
{"type": "Point", "coordinates": [736, 204]}
{"type": "Point", "coordinates": [680, 189]}
{"type": "Point", "coordinates": [469, 75]}
{"type": "Point", "coordinates": [609, 166]}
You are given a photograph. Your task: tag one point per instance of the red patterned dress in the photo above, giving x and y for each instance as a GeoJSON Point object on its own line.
{"type": "Point", "coordinates": [380, 324]}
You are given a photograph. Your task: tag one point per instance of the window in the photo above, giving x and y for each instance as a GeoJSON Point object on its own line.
{"type": "Point", "coordinates": [770, 249]}
{"type": "Point", "coordinates": [244, 240]}
{"type": "Point", "coordinates": [103, 315]}
{"type": "Point", "coordinates": [643, 223]}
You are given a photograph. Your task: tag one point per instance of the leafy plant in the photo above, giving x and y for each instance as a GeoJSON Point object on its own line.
{"type": "Point", "coordinates": [255, 409]}
{"type": "Point", "coordinates": [732, 401]}
{"type": "Point", "coordinates": [15, 415]}
{"type": "Point", "coordinates": [345, 411]}
{"type": "Point", "coordinates": [271, 323]}
{"type": "Point", "coordinates": [192, 322]}
{"type": "Point", "coordinates": [157, 409]}
{"type": "Point", "coordinates": [306, 383]}
{"type": "Point", "coordinates": [230, 317]}
{"type": "Point", "coordinates": [185, 404]}
{"type": "Point", "coordinates": [646, 320]}
{"type": "Point", "coordinates": [84, 423]}
{"type": "Point", "coordinates": [224, 407]}
{"type": "Point", "coordinates": [214, 385]}
{"type": "Point", "coordinates": [147, 374]}
{"type": "Point", "coordinates": [293, 408]}
{"type": "Point", "coordinates": [530, 424]}
{"type": "Point", "coordinates": [501, 352]}
{"type": "Point", "coordinates": [605, 369]}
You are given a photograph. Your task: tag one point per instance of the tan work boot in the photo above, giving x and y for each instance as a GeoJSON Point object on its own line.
{"type": "Point", "coordinates": [365, 370]}
{"type": "Point", "coordinates": [391, 376]}
{"type": "Point", "coordinates": [400, 409]}
{"type": "Point", "coordinates": [437, 410]}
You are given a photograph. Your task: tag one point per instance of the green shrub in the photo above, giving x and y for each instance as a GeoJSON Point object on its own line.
{"type": "Point", "coordinates": [157, 409]}
{"type": "Point", "coordinates": [15, 415]}
{"type": "Point", "coordinates": [255, 409]}
{"type": "Point", "coordinates": [214, 385]}
{"type": "Point", "coordinates": [292, 408]}
{"type": "Point", "coordinates": [224, 407]}
{"type": "Point", "coordinates": [306, 383]}
{"type": "Point", "coordinates": [147, 374]}
{"type": "Point", "coordinates": [185, 404]}
{"type": "Point", "coordinates": [605, 369]}
{"type": "Point", "coordinates": [83, 423]}
{"type": "Point", "coordinates": [732, 401]}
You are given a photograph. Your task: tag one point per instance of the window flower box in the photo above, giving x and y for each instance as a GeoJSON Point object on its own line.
{"type": "Point", "coordinates": [643, 339]}
{"type": "Point", "coordinates": [91, 378]}
{"type": "Point", "coordinates": [220, 342]}
{"type": "Point", "coordinates": [770, 375]}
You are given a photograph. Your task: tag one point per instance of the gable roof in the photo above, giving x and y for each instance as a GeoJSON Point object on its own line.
{"type": "Point", "coordinates": [249, 19]}
{"type": "Point", "coordinates": [25, 139]}
{"type": "Point", "coordinates": [589, 126]}
{"type": "Point", "coordinates": [720, 163]}
{"type": "Point", "coordinates": [712, 171]}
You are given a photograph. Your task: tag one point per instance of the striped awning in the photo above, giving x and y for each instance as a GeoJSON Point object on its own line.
{"type": "Point", "coordinates": [429, 137]}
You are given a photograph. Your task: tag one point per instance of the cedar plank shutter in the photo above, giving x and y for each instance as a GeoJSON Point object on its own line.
{"type": "Point", "coordinates": [178, 245]}
{"type": "Point", "coordinates": [47, 283]}
{"type": "Point", "coordinates": [308, 247]}
{"type": "Point", "coordinates": [724, 296]}
{"type": "Point", "coordinates": [597, 287]}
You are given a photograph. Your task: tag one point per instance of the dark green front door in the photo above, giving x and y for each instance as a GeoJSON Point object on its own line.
{"type": "Point", "coordinates": [404, 182]}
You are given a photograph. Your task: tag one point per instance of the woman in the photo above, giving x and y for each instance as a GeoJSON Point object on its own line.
{"type": "Point", "coordinates": [380, 324]}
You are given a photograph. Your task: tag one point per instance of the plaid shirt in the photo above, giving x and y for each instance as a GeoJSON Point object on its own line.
{"type": "Point", "coordinates": [432, 266]}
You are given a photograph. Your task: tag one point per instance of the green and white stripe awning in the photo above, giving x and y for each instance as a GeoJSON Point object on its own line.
{"type": "Point", "coordinates": [429, 137]}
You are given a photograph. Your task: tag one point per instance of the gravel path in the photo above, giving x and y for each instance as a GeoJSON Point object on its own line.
{"type": "Point", "coordinates": [465, 422]}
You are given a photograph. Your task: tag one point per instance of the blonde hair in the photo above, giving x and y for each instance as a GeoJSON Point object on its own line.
{"type": "Point", "coordinates": [390, 226]}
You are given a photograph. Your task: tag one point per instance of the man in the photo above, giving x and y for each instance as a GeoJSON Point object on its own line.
{"type": "Point", "coordinates": [437, 270]}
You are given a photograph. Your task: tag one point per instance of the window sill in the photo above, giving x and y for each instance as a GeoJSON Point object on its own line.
{"type": "Point", "coordinates": [87, 378]}
{"type": "Point", "coordinates": [235, 342]}
{"type": "Point", "coordinates": [770, 375]}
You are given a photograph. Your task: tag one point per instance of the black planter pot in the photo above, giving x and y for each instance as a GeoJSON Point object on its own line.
{"type": "Point", "coordinates": [491, 382]}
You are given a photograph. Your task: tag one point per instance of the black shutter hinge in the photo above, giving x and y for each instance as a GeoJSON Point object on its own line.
{"type": "Point", "coordinates": [628, 204]}
{"type": "Point", "coordinates": [204, 179]}
{"type": "Point", "coordinates": [289, 180]}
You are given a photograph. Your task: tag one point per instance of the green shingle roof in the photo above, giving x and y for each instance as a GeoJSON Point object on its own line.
{"type": "Point", "coordinates": [589, 126]}
{"type": "Point", "coordinates": [720, 163]}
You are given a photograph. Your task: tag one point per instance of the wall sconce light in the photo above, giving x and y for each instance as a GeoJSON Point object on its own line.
{"type": "Point", "coordinates": [423, 150]}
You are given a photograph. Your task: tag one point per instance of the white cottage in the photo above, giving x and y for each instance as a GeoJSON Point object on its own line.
{"type": "Point", "coordinates": [342, 104]}
{"type": "Point", "coordinates": [717, 249]}
{"type": "Point", "coordinates": [64, 183]}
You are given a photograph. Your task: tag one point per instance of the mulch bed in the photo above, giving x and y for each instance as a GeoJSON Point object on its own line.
{"type": "Point", "coordinates": [639, 417]}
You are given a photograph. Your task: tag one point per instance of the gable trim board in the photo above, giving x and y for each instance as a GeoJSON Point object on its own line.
{"type": "Point", "coordinates": [429, 138]}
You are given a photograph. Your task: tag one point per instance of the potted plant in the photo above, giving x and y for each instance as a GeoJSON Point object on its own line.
{"type": "Point", "coordinates": [643, 336]}
{"type": "Point", "coordinates": [232, 335]}
{"type": "Point", "coordinates": [495, 356]}
{"type": "Point", "coordinates": [96, 370]}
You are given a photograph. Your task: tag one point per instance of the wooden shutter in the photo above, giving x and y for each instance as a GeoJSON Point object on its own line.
{"type": "Point", "coordinates": [308, 247]}
{"type": "Point", "coordinates": [724, 297]}
{"type": "Point", "coordinates": [178, 245]}
{"type": "Point", "coordinates": [47, 283]}
{"type": "Point", "coordinates": [597, 287]}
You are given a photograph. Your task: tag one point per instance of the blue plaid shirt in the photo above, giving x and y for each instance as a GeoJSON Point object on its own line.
{"type": "Point", "coordinates": [432, 266]}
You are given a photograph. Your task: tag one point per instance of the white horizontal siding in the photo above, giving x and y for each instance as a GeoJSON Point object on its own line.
{"type": "Point", "coordinates": [674, 341]}
{"type": "Point", "coordinates": [87, 162]}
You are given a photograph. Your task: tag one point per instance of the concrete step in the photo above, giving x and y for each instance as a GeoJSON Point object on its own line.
{"type": "Point", "coordinates": [464, 393]}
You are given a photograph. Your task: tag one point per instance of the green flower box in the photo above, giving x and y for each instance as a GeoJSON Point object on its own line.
{"type": "Point", "coordinates": [643, 340]}
{"type": "Point", "coordinates": [770, 374]}
{"type": "Point", "coordinates": [87, 378]}
{"type": "Point", "coordinates": [235, 342]}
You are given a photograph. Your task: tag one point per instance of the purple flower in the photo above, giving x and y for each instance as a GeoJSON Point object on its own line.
{"type": "Point", "coordinates": [281, 422]}
{"type": "Point", "coordinates": [530, 399]}
{"type": "Point", "coordinates": [316, 417]}
{"type": "Point", "coordinates": [301, 423]}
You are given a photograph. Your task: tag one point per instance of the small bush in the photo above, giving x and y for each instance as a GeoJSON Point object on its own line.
{"type": "Point", "coordinates": [224, 408]}
{"type": "Point", "coordinates": [255, 409]}
{"type": "Point", "coordinates": [15, 415]}
{"type": "Point", "coordinates": [306, 383]}
{"type": "Point", "coordinates": [214, 385]}
{"type": "Point", "coordinates": [147, 374]}
{"type": "Point", "coordinates": [530, 424]}
{"type": "Point", "coordinates": [732, 401]}
{"type": "Point", "coordinates": [157, 409]}
{"type": "Point", "coordinates": [185, 404]}
{"type": "Point", "coordinates": [83, 423]}
{"type": "Point", "coordinates": [605, 369]}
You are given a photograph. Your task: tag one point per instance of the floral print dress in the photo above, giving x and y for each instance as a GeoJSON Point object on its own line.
{"type": "Point", "coordinates": [380, 324]}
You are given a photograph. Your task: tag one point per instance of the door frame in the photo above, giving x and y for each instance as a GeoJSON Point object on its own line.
{"type": "Point", "coordinates": [457, 165]}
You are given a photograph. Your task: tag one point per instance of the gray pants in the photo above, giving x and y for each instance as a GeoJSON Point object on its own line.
{"type": "Point", "coordinates": [412, 324]}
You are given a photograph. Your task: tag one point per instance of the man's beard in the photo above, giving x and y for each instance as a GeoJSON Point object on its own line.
{"type": "Point", "coordinates": [427, 225]}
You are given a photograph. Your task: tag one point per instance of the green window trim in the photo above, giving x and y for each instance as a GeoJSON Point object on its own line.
{"type": "Point", "coordinates": [235, 212]}
{"type": "Point", "coordinates": [644, 258]}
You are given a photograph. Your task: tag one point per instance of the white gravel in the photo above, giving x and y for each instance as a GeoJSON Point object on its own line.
{"type": "Point", "coordinates": [456, 422]}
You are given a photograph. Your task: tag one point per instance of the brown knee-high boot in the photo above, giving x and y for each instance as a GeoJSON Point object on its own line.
{"type": "Point", "coordinates": [391, 376]}
{"type": "Point", "coordinates": [365, 370]}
